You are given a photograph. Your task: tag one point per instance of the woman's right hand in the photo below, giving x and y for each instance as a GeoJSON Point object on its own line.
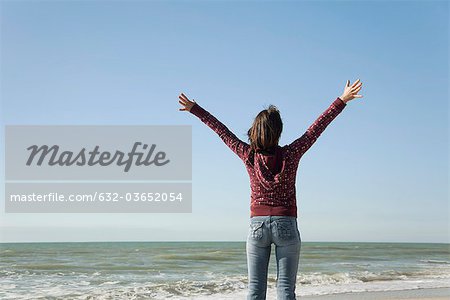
{"type": "Point", "coordinates": [351, 92]}
{"type": "Point", "coordinates": [187, 104]}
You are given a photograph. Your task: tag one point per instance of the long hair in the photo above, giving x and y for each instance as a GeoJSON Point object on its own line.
{"type": "Point", "coordinates": [266, 129]}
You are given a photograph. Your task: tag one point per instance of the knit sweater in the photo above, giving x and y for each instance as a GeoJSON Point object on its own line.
{"type": "Point", "coordinates": [272, 177]}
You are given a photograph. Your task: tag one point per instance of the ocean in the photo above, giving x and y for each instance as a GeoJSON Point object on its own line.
{"type": "Point", "coordinates": [209, 270]}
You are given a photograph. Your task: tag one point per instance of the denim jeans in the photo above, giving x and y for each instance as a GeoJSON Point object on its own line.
{"type": "Point", "coordinates": [284, 233]}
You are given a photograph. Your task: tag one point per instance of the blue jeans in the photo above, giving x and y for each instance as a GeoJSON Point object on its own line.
{"type": "Point", "coordinates": [284, 233]}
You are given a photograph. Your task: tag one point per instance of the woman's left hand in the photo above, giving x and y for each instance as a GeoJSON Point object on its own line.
{"type": "Point", "coordinates": [351, 92]}
{"type": "Point", "coordinates": [187, 104]}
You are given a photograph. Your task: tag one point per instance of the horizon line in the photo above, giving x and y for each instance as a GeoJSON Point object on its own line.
{"type": "Point", "coordinates": [214, 241]}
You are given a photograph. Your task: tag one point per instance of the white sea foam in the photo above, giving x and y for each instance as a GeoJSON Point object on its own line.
{"type": "Point", "coordinates": [223, 288]}
{"type": "Point", "coordinates": [301, 290]}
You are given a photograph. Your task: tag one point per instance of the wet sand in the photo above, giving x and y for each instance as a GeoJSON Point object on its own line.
{"type": "Point", "coordinates": [422, 294]}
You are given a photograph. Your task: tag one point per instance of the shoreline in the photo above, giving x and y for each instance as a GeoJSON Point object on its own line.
{"type": "Point", "coordinates": [410, 294]}
{"type": "Point", "coordinates": [413, 294]}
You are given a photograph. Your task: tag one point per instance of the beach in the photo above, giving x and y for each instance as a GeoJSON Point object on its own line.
{"type": "Point", "coordinates": [415, 294]}
{"type": "Point", "coordinates": [423, 294]}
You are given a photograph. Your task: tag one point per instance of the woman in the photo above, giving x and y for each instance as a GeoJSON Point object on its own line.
{"type": "Point", "coordinates": [272, 170]}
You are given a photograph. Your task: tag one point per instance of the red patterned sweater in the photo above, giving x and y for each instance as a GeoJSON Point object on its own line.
{"type": "Point", "coordinates": [272, 176]}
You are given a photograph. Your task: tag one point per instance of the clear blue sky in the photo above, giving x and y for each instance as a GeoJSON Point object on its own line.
{"type": "Point", "coordinates": [378, 173]}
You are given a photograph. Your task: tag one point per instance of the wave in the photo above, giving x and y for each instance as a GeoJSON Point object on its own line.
{"type": "Point", "coordinates": [109, 286]}
{"type": "Point", "coordinates": [432, 261]}
{"type": "Point", "coordinates": [226, 288]}
{"type": "Point", "coordinates": [192, 257]}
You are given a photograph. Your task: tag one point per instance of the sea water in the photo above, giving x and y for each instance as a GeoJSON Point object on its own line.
{"type": "Point", "coordinates": [209, 270]}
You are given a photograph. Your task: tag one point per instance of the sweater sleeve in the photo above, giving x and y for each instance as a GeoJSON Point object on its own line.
{"type": "Point", "coordinates": [239, 147]}
{"type": "Point", "coordinates": [304, 142]}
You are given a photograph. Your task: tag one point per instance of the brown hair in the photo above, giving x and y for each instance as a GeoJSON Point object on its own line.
{"type": "Point", "coordinates": [266, 129]}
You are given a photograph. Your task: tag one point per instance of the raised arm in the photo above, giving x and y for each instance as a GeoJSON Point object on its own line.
{"type": "Point", "coordinates": [239, 147]}
{"type": "Point", "coordinates": [304, 142]}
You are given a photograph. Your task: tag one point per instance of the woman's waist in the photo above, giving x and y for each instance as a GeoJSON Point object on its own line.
{"type": "Point", "coordinates": [267, 210]}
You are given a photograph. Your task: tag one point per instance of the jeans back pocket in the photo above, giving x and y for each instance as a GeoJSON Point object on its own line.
{"type": "Point", "coordinates": [256, 230]}
{"type": "Point", "coordinates": [286, 229]}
